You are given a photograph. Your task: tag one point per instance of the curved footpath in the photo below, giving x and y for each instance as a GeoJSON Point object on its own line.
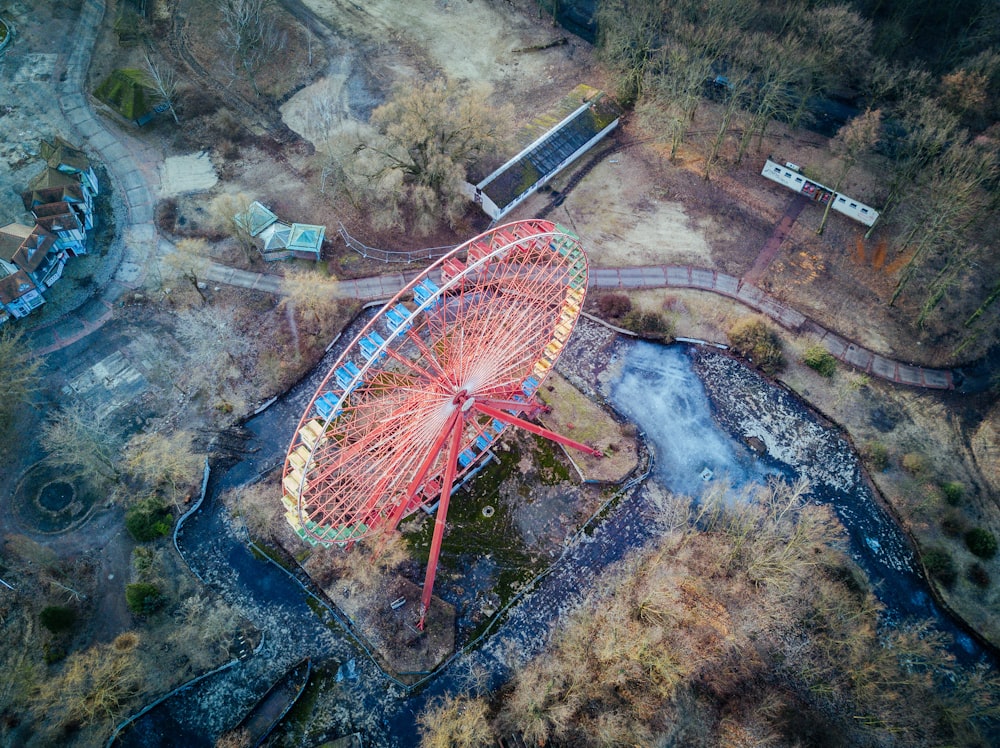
{"type": "Point", "coordinates": [138, 234]}
{"type": "Point", "coordinates": [140, 238]}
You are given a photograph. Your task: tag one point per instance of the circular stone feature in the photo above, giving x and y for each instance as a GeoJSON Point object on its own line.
{"type": "Point", "coordinates": [56, 496]}
{"type": "Point", "coordinates": [49, 500]}
{"type": "Point", "coordinates": [488, 511]}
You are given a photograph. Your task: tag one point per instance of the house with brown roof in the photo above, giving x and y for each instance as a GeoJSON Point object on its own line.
{"type": "Point", "coordinates": [54, 186]}
{"type": "Point", "coordinates": [18, 295]}
{"type": "Point", "coordinates": [62, 156]}
{"type": "Point", "coordinates": [65, 224]}
{"type": "Point", "coordinates": [61, 198]}
{"type": "Point", "coordinates": [33, 251]}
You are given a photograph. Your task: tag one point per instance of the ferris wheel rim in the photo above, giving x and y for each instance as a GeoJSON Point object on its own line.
{"type": "Point", "coordinates": [548, 230]}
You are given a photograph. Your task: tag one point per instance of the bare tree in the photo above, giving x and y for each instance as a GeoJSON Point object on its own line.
{"type": "Point", "coordinates": [628, 34]}
{"type": "Point", "coordinates": [163, 81]}
{"type": "Point", "coordinates": [954, 196]}
{"type": "Point", "coordinates": [672, 97]}
{"type": "Point", "coordinates": [190, 260]}
{"type": "Point", "coordinates": [250, 34]}
{"type": "Point", "coordinates": [82, 440]}
{"type": "Point", "coordinates": [164, 461]}
{"type": "Point", "coordinates": [310, 293]}
{"type": "Point", "coordinates": [853, 139]}
{"type": "Point", "coordinates": [224, 211]}
{"type": "Point", "coordinates": [94, 685]}
{"type": "Point", "coordinates": [18, 375]}
{"type": "Point", "coordinates": [431, 134]}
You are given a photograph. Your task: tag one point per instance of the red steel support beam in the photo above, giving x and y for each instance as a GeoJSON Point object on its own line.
{"type": "Point", "coordinates": [425, 466]}
{"type": "Point", "coordinates": [540, 430]}
{"type": "Point", "coordinates": [440, 517]}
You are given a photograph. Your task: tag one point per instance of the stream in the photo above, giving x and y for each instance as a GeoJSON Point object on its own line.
{"type": "Point", "coordinates": [695, 409]}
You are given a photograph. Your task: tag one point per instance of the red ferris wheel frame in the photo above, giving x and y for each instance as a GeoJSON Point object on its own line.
{"type": "Point", "coordinates": [419, 396]}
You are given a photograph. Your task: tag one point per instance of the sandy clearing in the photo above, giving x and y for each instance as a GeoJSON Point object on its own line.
{"type": "Point", "coordinates": [622, 221]}
{"type": "Point", "coordinates": [183, 174]}
{"type": "Point", "coordinates": [464, 39]}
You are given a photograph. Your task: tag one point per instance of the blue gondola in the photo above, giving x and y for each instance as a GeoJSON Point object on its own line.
{"type": "Point", "coordinates": [424, 290]}
{"type": "Point", "coordinates": [346, 373]}
{"type": "Point", "coordinates": [325, 404]}
{"type": "Point", "coordinates": [397, 316]}
{"type": "Point", "coordinates": [529, 386]}
{"type": "Point", "coordinates": [465, 457]}
{"type": "Point", "coordinates": [370, 345]}
{"type": "Point", "coordinates": [482, 442]}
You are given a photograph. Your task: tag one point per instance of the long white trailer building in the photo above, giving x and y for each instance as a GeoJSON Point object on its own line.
{"type": "Point", "coordinates": [790, 176]}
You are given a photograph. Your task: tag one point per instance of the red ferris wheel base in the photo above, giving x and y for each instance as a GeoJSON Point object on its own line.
{"type": "Point", "coordinates": [454, 426]}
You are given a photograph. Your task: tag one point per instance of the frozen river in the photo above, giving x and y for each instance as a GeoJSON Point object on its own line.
{"type": "Point", "coordinates": [659, 392]}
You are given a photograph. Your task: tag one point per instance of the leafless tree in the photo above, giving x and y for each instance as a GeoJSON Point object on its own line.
{"type": "Point", "coordinates": [251, 35]}
{"type": "Point", "coordinates": [163, 81]}
{"type": "Point", "coordinates": [18, 375]}
{"type": "Point", "coordinates": [191, 261]}
{"type": "Point", "coordinates": [429, 136]}
{"type": "Point", "coordinates": [161, 460]}
{"type": "Point", "coordinates": [79, 439]}
{"type": "Point", "coordinates": [853, 139]}
{"type": "Point", "coordinates": [224, 210]}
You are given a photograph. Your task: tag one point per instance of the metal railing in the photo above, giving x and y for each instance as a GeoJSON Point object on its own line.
{"type": "Point", "coordinates": [388, 255]}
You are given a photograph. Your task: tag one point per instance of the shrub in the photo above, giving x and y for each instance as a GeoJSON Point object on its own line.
{"type": "Point", "coordinates": [613, 305]}
{"type": "Point", "coordinates": [143, 598]}
{"type": "Point", "coordinates": [978, 575]}
{"type": "Point", "coordinates": [953, 524]}
{"type": "Point", "coordinates": [148, 520]}
{"type": "Point", "coordinates": [877, 455]}
{"type": "Point", "coordinates": [820, 360]}
{"type": "Point", "coordinates": [57, 618]}
{"type": "Point", "coordinates": [953, 492]}
{"type": "Point", "coordinates": [981, 542]}
{"type": "Point", "coordinates": [752, 338]}
{"type": "Point", "coordinates": [939, 564]}
{"type": "Point", "coordinates": [916, 464]}
{"type": "Point", "coordinates": [648, 325]}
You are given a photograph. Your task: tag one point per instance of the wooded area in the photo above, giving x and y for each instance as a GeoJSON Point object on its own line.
{"type": "Point", "coordinates": [912, 88]}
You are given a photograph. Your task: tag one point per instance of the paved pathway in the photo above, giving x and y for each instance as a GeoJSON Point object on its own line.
{"type": "Point", "coordinates": [139, 231]}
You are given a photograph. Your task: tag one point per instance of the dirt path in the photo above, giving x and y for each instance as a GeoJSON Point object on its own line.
{"type": "Point", "coordinates": [774, 242]}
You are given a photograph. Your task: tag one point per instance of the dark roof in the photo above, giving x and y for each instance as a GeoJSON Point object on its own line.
{"type": "Point", "coordinates": [63, 221]}
{"type": "Point", "coordinates": [15, 286]}
{"type": "Point", "coordinates": [546, 155]}
{"type": "Point", "coordinates": [53, 178]}
{"type": "Point", "coordinates": [33, 249]}
{"type": "Point", "coordinates": [60, 153]}
{"type": "Point", "coordinates": [72, 193]}
{"type": "Point", "coordinates": [12, 236]}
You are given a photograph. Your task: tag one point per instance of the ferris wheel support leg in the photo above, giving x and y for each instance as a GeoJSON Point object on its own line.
{"type": "Point", "coordinates": [418, 479]}
{"type": "Point", "coordinates": [534, 429]}
{"type": "Point", "coordinates": [440, 517]}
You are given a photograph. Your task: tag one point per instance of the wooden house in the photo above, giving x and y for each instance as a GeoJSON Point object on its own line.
{"type": "Point", "coordinates": [33, 251]}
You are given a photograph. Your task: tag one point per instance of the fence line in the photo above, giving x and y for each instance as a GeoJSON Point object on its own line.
{"type": "Point", "coordinates": [386, 255]}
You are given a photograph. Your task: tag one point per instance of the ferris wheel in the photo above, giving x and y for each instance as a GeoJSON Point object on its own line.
{"type": "Point", "coordinates": [418, 398]}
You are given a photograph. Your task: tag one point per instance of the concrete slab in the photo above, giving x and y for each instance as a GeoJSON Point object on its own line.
{"type": "Point", "coordinates": [678, 276]}
{"type": "Point", "coordinates": [727, 284]}
{"type": "Point", "coordinates": [129, 272]}
{"type": "Point", "coordinates": [938, 379]}
{"type": "Point", "coordinates": [884, 368]}
{"type": "Point", "coordinates": [94, 312]}
{"type": "Point", "coordinates": [702, 278]}
{"type": "Point", "coordinates": [836, 345]}
{"type": "Point", "coordinates": [910, 375]}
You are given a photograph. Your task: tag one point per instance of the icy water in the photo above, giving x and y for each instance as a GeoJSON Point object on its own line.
{"type": "Point", "coordinates": [661, 394]}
